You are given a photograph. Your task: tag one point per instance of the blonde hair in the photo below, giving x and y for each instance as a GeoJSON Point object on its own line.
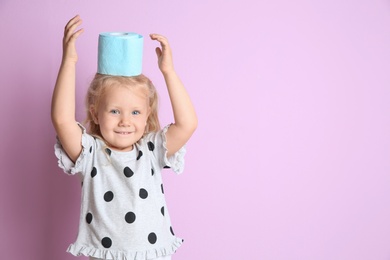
{"type": "Point", "coordinates": [101, 83]}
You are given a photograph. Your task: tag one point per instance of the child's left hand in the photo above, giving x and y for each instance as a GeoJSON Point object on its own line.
{"type": "Point", "coordinates": [164, 54]}
{"type": "Point", "coordinates": [183, 111]}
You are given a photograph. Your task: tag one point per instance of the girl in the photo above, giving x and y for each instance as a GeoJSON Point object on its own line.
{"type": "Point", "coordinates": [123, 212]}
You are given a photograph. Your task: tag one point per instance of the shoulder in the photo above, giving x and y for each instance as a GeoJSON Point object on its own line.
{"type": "Point", "coordinates": [154, 140]}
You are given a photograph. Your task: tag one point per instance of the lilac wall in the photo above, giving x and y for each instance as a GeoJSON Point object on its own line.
{"type": "Point", "coordinates": [291, 158]}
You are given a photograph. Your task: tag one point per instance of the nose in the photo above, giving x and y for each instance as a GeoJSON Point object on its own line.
{"type": "Point", "coordinates": [125, 121]}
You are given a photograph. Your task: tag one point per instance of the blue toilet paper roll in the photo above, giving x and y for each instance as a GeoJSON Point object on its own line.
{"type": "Point", "coordinates": [120, 53]}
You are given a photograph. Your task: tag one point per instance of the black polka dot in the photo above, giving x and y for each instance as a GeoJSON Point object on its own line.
{"type": "Point", "coordinates": [130, 217]}
{"type": "Point", "coordinates": [152, 171]}
{"type": "Point", "coordinates": [108, 196]}
{"type": "Point", "coordinates": [93, 172]}
{"type": "Point", "coordinates": [152, 238]}
{"type": "Point", "coordinates": [89, 218]}
{"type": "Point", "coordinates": [128, 172]}
{"type": "Point", "coordinates": [162, 211]}
{"type": "Point", "coordinates": [151, 146]}
{"type": "Point", "coordinates": [162, 188]}
{"type": "Point", "coordinates": [143, 193]}
{"type": "Point", "coordinates": [90, 149]}
{"type": "Point", "coordinates": [82, 183]}
{"type": "Point", "coordinates": [106, 242]}
{"type": "Point", "coordinates": [172, 231]}
{"type": "Point", "coordinates": [140, 153]}
{"type": "Point", "coordinates": [166, 167]}
{"type": "Point", "coordinates": [108, 151]}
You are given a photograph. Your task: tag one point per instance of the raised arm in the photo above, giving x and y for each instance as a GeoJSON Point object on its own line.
{"type": "Point", "coordinates": [183, 111]}
{"type": "Point", "coordinates": [63, 104]}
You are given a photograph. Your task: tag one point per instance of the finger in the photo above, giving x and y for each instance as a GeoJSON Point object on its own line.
{"type": "Point", "coordinates": [76, 35]}
{"type": "Point", "coordinates": [158, 52]}
{"type": "Point", "coordinates": [71, 27]}
{"type": "Point", "coordinates": [165, 48]}
{"type": "Point", "coordinates": [154, 36]}
{"type": "Point", "coordinates": [73, 34]}
{"type": "Point", "coordinates": [158, 37]}
{"type": "Point", "coordinates": [75, 18]}
{"type": "Point", "coordinates": [72, 22]}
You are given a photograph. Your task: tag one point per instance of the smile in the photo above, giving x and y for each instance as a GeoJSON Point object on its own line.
{"type": "Point", "coordinates": [123, 133]}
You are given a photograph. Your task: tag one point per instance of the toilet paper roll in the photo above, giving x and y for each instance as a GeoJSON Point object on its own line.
{"type": "Point", "coordinates": [120, 53]}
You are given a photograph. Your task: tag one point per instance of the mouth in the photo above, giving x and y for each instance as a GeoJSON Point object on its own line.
{"type": "Point", "coordinates": [123, 133]}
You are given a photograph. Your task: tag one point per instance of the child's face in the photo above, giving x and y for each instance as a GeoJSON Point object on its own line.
{"type": "Point", "coordinates": [122, 117]}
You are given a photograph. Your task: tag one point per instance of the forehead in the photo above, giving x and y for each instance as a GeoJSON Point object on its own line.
{"type": "Point", "coordinates": [125, 95]}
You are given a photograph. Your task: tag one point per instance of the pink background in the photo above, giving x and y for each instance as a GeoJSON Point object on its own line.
{"type": "Point", "coordinates": [291, 157]}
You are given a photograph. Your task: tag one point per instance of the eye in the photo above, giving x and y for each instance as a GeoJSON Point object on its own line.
{"type": "Point", "coordinates": [115, 111]}
{"type": "Point", "coordinates": [136, 112]}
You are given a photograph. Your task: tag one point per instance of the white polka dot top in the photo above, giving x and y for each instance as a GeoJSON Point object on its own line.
{"type": "Point", "coordinates": [123, 212]}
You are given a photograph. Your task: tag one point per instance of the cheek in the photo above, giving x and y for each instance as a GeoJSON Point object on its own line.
{"type": "Point", "coordinates": [142, 122]}
{"type": "Point", "coordinates": [103, 121]}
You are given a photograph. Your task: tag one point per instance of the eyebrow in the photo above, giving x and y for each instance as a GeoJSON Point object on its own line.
{"type": "Point", "coordinates": [127, 107]}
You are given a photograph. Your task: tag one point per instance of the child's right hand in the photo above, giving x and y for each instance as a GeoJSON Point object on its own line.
{"type": "Point", "coordinates": [63, 101]}
{"type": "Point", "coordinates": [69, 41]}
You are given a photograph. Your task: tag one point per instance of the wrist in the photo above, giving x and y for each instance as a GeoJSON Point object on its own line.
{"type": "Point", "coordinates": [68, 62]}
{"type": "Point", "coordinates": [168, 72]}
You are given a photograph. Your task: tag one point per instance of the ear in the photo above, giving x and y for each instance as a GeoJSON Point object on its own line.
{"type": "Point", "coordinates": [93, 113]}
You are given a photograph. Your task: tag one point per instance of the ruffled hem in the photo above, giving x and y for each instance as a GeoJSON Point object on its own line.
{"type": "Point", "coordinates": [64, 162]}
{"type": "Point", "coordinates": [175, 161]}
{"type": "Point", "coordinates": [79, 250]}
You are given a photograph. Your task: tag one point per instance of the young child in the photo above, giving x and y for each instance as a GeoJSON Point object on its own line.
{"type": "Point", "coordinates": [119, 161]}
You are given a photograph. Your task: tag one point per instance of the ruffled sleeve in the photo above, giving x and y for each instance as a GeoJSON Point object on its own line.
{"type": "Point", "coordinates": [158, 143]}
{"type": "Point", "coordinates": [65, 163]}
